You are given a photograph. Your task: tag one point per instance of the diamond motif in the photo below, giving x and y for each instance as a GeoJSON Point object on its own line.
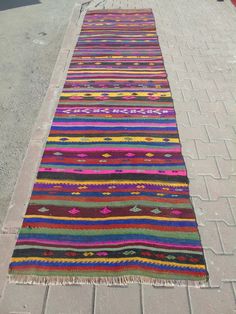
{"type": "Point", "coordinates": [149, 155]}
{"type": "Point", "coordinates": [43, 210]}
{"type": "Point", "coordinates": [176, 212]}
{"type": "Point", "coordinates": [106, 155]}
{"type": "Point", "coordinates": [74, 211]}
{"type": "Point", "coordinates": [135, 209]}
{"type": "Point", "coordinates": [105, 210]}
{"type": "Point", "coordinates": [129, 154]}
{"type": "Point", "coordinates": [129, 253]}
{"type": "Point", "coordinates": [156, 211]}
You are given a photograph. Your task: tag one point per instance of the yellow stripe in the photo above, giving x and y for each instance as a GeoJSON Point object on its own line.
{"type": "Point", "coordinates": [113, 94]}
{"type": "Point", "coordinates": [112, 139]}
{"type": "Point", "coordinates": [112, 181]}
{"type": "Point", "coordinates": [109, 218]}
{"type": "Point", "coordinates": [104, 260]}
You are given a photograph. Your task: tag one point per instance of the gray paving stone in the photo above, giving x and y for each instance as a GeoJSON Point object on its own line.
{"type": "Point", "coordinates": [226, 167]}
{"type": "Point", "coordinates": [183, 84]}
{"type": "Point", "coordinates": [210, 237]}
{"type": "Point", "coordinates": [177, 94]}
{"type": "Point", "coordinates": [226, 134]}
{"type": "Point", "coordinates": [189, 149]}
{"type": "Point", "coordinates": [22, 299]}
{"type": "Point", "coordinates": [182, 118]}
{"type": "Point", "coordinates": [202, 167]}
{"type": "Point", "coordinates": [189, 106]}
{"type": "Point", "coordinates": [188, 75]}
{"type": "Point", "coordinates": [208, 107]}
{"type": "Point", "coordinates": [213, 211]}
{"type": "Point", "coordinates": [217, 148]}
{"type": "Point", "coordinates": [203, 84]}
{"type": "Point", "coordinates": [220, 95]}
{"type": "Point", "coordinates": [156, 300]}
{"type": "Point", "coordinates": [232, 202]}
{"type": "Point", "coordinates": [192, 66]}
{"type": "Point", "coordinates": [195, 95]}
{"type": "Point", "coordinates": [220, 188]}
{"type": "Point", "coordinates": [119, 300]}
{"type": "Point", "coordinates": [231, 148]}
{"type": "Point", "coordinates": [221, 268]}
{"type": "Point", "coordinates": [230, 106]}
{"type": "Point", "coordinates": [198, 188]}
{"type": "Point", "coordinates": [234, 289]}
{"type": "Point", "coordinates": [175, 66]}
{"type": "Point", "coordinates": [197, 119]}
{"type": "Point", "coordinates": [228, 237]}
{"type": "Point", "coordinates": [73, 299]}
{"type": "Point", "coordinates": [212, 301]}
{"type": "Point", "coordinates": [7, 243]}
{"type": "Point", "coordinates": [226, 120]}
{"type": "Point", "coordinates": [193, 133]}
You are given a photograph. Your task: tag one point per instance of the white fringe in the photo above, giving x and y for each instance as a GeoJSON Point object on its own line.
{"type": "Point", "coordinates": [109, 281]}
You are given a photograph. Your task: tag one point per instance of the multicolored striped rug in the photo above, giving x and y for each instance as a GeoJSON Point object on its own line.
{"type": "Point", "coordinates": [111, 200]}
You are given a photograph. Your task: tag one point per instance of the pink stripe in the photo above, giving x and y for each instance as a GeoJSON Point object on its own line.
{"type": "Point", "coordinates": [107, 243]}
{"type": "Point", "coordinates": [133, 149]}
{"type": "Point", "coordinates": [105, 171]}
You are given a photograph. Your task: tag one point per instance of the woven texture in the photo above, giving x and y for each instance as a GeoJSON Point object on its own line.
{"type": "Point", "coordinates": [111, 200]}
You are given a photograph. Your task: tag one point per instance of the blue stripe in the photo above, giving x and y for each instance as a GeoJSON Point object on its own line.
{"type": "Point", "coordinates": [112, 165]}
{"type": "Point", "coordinates": [113, 128]}
{"type": "Point", "coordinates": [108, 237]}
{"type": "Point", "coordinates": [130, 221]}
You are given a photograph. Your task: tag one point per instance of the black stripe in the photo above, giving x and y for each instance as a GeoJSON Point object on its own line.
{"type": "Point", "coordinates": [66, 253]}
{"type": "Point", "coordinates": [112, 176]}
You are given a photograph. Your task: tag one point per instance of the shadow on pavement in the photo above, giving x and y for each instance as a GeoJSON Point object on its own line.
{"type": "Point", "coordinates": [10, 4]}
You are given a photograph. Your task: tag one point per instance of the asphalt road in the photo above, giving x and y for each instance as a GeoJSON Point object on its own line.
{"type": "Point", "coordinates": [31, 34]}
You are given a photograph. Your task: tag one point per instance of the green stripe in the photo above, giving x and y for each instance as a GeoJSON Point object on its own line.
{"type": "Point", "coordinates": [112, 167]}
{"type": "Point", "coordinates": [111, 204]}
{"type": "Point", "coordinates": [78, 274]}
{"type": "Point", "coordinates": [114, 231]}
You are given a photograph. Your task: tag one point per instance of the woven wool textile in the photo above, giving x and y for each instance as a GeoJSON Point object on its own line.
{"type": "Point", "coordinates": [111, 200]}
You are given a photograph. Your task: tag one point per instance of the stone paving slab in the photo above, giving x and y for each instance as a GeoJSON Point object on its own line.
{"type": "Point", "coordinates": [70, 300]}
{"type": "Point", "coordinates": [23, 299]}
{"type": "Point", "coordinates": [118, 300]}
{"type": "Point", "coordinates": [199, 52]}
{"type": "Point", "coordinates": [156, 299]}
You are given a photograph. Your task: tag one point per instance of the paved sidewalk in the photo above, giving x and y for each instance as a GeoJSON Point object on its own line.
{"type": "Point", "coordinates": [198, 42]}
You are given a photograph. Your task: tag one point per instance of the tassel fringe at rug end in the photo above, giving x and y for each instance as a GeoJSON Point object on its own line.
{"type": "Point", "coordinates": [108, 281]}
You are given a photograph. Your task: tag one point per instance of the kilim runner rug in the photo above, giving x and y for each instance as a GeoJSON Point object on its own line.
{"type": "Point", "coordinates": [111, 200]}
